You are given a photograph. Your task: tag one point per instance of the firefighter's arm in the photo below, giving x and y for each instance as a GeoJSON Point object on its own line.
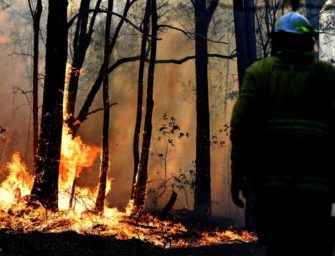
{"type": "Point", "coordinates": [242, 135]}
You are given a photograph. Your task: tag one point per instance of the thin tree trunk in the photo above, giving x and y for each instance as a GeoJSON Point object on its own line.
{"type": "Point", "coordinates": [45, 187]}
{"type": "Point", "coordinates": [137, 130]}
{"type": "Point", "coordinates": [202, 192]}
{"type": "Point", "coordinates": [36, 24]}
{"type": "Point", "coordinates": [142, 174]}
{"type": "Point", "coordinates": [99, 205]}
{"type": "Point", "coordinates": [240, 38]}
{"type": "Point", "coordinates": [250, 30]}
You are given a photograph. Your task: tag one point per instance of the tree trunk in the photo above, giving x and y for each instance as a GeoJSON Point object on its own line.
{"type": "Point", "coordinates": [250, 31]}
{"type": "Point", "coordinates": [82, 115]}
{"type": "Point", "coordinates": [245, 36]}
{"type": "Point", "coordinates": [202, 192]}
{"type": "Point", "coordinates": [81, 42]}
{"type": "Point", "coordinates": [240, 38]}
{"type": "Point", "coordinates": [137, 130]}
{"type": "Point", "coordinates": [99, 206]}
{"type": "Point", "coordinates": [142, 174]}
{"type": "Point", "coordinates": [36, 24]}
{"type": "Point", "coordinates": [45, 187]}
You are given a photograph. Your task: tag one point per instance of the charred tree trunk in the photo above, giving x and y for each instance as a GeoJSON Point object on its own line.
{"type": "Point", "coordinates": [82, 39]}
{"type": "Point", "coordinates": [202, 196]}
{"type": "Point", "coordinates": [45, 187]}
{"type": "Point", "coordinates": [136, 153]}
{"type": "Point", "coordinates": [99, 205]}
{"type": "Point", "coordinates": [36, 15]}
{"type": "Point", "coordinates": [142, 174]}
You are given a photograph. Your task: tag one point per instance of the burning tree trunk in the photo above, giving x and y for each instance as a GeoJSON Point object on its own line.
{"type": "Point", "coordinates": [202, 197]}
{"type": "Point", "coordinates": [36, 15]}
{"type": "Point", "coordinates": [82, 39]}
{"type": "Point", "coordinates": [99, 206]}
{"type": "Point", "coordinates": [142, 174]}
{"type": "Point", "coordinates": [136, 153]}
{"type": "Point", "coordinates": [45, 188]}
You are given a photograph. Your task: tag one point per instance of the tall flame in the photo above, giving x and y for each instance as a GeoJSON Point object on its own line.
{"type": "Point", "coordinates": [75, 157]}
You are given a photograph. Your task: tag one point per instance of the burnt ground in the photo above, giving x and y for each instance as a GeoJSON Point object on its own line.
{"type": "Point", "coordinates": [73, 244]}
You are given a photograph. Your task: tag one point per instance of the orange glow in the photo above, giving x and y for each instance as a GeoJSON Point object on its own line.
{"type": "Point", "coordinates": [17, 216]}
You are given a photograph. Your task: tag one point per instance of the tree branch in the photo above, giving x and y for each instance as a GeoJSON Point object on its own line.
{"type": "Point", "coordinates": [167, 61]}
{"type": "Point", "coordinates": [190, 34]}
{"type": "Point", "coordinates": [99, 109]}
{"type": "Point", "coordinates": [71, 21]}
{"type": "Point", "coordinates": [21, 54]}
{"type": "Point", "coordinates": [180, 61]}
{"type": "Point", "coordinates": [212, 7]}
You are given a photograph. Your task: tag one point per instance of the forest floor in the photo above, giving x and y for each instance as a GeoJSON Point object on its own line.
{"type": "Point", "coordinates": [73, 244]}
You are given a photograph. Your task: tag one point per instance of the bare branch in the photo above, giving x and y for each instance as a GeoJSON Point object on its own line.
{"type": "Point", "coordinates": [25, 93]}
{"type": "Point", "coordinates": [100, 109]}
{"type": "Point", "coordinates": [180, 61]}
{"type": "Point", "coordinates": [191, 34]}
{"type": "Point", "coordinates": [21, 54]}
{"type": "Point", "coordinates": [167, 61]}
{"type": "Point", "coordinates": [71, 21]}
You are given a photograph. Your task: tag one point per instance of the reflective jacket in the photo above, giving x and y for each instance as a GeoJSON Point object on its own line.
{"type": "Point", "coordinates": [283, 124]}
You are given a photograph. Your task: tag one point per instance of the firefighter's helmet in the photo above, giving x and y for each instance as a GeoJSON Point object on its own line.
{"type": "Point", "coordinates": [294, 22]}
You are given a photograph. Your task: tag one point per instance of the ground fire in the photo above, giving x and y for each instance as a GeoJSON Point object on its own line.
{"type": "Point", "coordinates": [76, 207]}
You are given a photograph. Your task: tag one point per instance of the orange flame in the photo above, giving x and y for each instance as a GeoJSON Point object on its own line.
{"type": "Point", "coordinates": [18, 182]}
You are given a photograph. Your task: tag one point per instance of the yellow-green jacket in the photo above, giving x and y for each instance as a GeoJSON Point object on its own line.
{"type": "Point", "coordinates": [283, 124]}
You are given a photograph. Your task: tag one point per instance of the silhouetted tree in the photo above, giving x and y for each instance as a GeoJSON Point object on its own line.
{"type": "Point", "coordinates": [244, 20]}
{"type": "Point", "coordinates": [142, 174]}
{"type": "Point", "coordinates": [45, 187]}
{"type": "Point", "coordinates": [36, 15]}
{"type": "Point", "coordinates": [99, 206]}
{"type": "Point", "coordinates": [202, 195]}
{"type": "Point", "coordinates": [84, 111]}
{"type": "Point", "coordinates": [82, 39]}
{"type": "Point", "coordinates": [143, 56]}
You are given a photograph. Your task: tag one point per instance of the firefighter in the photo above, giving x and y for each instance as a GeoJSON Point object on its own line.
{"type": "Point", "coordinates": [282, 133]}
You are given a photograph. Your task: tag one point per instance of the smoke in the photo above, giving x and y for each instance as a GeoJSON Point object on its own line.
{"type": "Point", "coordinates": [174, 95]}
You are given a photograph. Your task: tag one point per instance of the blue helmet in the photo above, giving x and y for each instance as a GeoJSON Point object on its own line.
{"type": "Point", "coordinates": [294, 22]}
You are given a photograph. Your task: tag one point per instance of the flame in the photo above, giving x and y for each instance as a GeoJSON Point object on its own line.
{"type": "Point", "coordinates": [75, 157]}
{"type": "Point", "coordinates": [18, 182]}
{"type": "Point", "coordinates": [17, 214]}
